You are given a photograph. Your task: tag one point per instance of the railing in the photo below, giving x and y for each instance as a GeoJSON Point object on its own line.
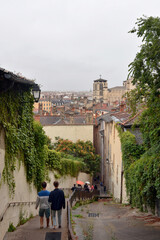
{"type": "Point", "coordinates": [77, 195]}
{"type": "Point", "coordinates": [12, 204]}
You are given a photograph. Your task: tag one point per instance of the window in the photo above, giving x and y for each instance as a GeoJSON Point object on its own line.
{"type": "Point", "coordinates": [101, 86]}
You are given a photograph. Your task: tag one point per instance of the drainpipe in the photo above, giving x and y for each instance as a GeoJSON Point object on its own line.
{"type": "Point", "coordinates": [102, 154]}
{"type": "Point", "coordinates": [121, 186]}
{"type": "Point", "coordinates": [122, 173]}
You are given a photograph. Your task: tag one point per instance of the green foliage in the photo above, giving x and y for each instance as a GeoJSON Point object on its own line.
{"type": "Point", "coordinates": [23, 219]}
{"type": "Point", "coordinates": [142, 165]}
{"type": "Point", "coordinates": [17, 122]}
{"type": "Point", "coordinates": [78, 216]}
{"type": "Point", "coordinates": [144, 179]}
{"type": "Point", "coordinates": [25, 141]}
{"type": "Point", "coordinates": [142, 171]}
{"type": "Point", "coordinates": [82, 150]}
{"type": "Point", "coordinates": [145, 68]}
{"type": "Point", "coordinates": [11, 228]}
{"type": "Point", "coordinates": [71, 167]}
{"type": "Point", "coordinates": [65, 166]}
{"type": "Point", "coordinates": [130, 149]}
{"type": "Point", "coordinates": [150, 124]}
{"type": "Point", "coordinates": [53, 160]}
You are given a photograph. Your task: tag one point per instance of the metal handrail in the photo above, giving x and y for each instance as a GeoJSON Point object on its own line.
{"type": "Point", "coordinates": [12, 204]}
{"type": "Point", "coordinates": [74, 196]}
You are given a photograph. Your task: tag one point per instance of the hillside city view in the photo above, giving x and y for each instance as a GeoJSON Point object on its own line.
{"type": "Point", "coordinates": [78, 164]}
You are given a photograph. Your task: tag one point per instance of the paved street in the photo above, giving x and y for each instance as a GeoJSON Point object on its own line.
{"type": "Point", "coordinates": [32, 231]}
{"type": "Point", "coordinates": [110, 221]}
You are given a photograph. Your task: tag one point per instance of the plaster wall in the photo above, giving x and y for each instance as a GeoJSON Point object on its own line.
{"type": "Point", "coordinates": [25, 192]}
{"type": "Point", "coordinates": [113, 167]}
{"type": "Point", "coordinates": [71, 132]}
{"type": "Point", "coordinates": [116, 162]}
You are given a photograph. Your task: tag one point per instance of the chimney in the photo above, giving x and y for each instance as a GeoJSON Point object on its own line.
{"type": "Point", "coordinates": [122, 107]}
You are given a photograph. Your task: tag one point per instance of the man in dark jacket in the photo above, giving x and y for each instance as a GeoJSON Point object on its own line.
{"type": "Point", "coordinates": [57, 200]}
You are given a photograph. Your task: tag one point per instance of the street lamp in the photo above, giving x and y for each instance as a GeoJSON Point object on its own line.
{"type": "Point", "coordinates": [36, 91]}
{"type": "Point", "coordinates": [107, 160]}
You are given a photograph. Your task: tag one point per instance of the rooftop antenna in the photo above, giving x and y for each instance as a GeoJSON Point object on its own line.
{"type": "Point", "coordinates": [100, 76]}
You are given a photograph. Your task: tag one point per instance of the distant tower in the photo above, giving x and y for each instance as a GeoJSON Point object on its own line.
{"type": "Point", "coordinates": [100, 90]}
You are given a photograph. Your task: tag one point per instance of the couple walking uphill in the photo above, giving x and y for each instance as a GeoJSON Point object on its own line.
{"type": "Point", "coordinates": [54, 200]}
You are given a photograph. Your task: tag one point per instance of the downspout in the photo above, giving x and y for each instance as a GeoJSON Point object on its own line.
{"type": "Point", "coordinates": [122, 173]}
{"type": "Point", "coordinates": [102, 167]}
{"type": "Point", "coordinates": [102, 152]}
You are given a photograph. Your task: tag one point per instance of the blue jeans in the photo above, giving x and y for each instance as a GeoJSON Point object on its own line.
{"type": "Point", "coordinates": [59, 213]}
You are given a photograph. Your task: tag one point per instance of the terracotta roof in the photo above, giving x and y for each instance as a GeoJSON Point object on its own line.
{"type": "Point", "coordinates": [132, 120]}
{"type": "Point", "coordinates": [120, 116]}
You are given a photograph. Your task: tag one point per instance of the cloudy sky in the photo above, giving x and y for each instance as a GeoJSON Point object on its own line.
{"type": "Point", "coordinates": [66, 44]}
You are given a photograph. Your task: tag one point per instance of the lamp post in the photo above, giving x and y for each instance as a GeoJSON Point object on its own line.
{"type": "Point", "coordinates": [36, 91]}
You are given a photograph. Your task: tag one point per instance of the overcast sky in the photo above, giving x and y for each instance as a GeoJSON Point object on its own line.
{"type": "Point", "coordinates": [67, 44]}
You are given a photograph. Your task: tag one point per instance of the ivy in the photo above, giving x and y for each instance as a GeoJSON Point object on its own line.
{"type": "Point", "coordinates": [142, 171]}
{"type": "Point", "coordinates": [26, 142]}
{"type": "Point", "coordinates": [17, 122]}
{"type": "Point", "coordinates": [142, 163]}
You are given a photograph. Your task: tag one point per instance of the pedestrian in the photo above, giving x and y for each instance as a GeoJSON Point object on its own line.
{"type": "Point", "coordinates": [73, 188]}
{"type": "Point", "coordinates": [86, 188]}
{"type": "Point", "coordinates": [57, 200]}
{"type": "Point", "coordinates": [44, 206]}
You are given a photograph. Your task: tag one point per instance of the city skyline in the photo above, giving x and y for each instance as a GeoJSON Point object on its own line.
{"type": "Point", "coordinates": [66, 45]}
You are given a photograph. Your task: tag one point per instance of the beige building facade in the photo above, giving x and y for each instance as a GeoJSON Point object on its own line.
{"type": "Point", "coordinates": [109, 147]}
{"type": "Point", "coordinates": [71, 132]}
{"type": "Point", "coordinates": [101, 92]}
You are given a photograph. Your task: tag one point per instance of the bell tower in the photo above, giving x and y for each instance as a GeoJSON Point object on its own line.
{"type": "Point", "coordinates": [100, 89]}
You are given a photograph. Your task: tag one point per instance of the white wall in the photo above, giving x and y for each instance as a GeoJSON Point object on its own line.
{"type": "Point", "coordinates": [27, 193]}
{"type": "Point", "coordinates": [71, 132]}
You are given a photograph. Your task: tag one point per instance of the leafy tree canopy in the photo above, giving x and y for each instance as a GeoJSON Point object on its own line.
{"type": "Point", "coordinates": [145, 69]}
{"type": "Point", "coordinates": [142, 164]}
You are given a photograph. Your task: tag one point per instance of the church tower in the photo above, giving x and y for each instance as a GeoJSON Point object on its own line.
{"type": "Point", "coordinates": [100, 90]}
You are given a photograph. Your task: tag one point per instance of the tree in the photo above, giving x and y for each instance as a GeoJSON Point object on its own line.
{"type": "Point", "coordinates": [145, 69]}
{"type": "Point", "coordinates": [143, 174]}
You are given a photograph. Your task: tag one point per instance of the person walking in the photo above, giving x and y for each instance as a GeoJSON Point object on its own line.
{"type": "Point", "coordinates": [57, 200]}
{"type": "Point", "coordinates": [44, 206]}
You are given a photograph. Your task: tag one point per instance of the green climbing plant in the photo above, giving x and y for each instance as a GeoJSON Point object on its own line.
{"type": "Point", "coordinates": [142, 163]}
{"type": "Point", "coordinates": [27, 143]}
